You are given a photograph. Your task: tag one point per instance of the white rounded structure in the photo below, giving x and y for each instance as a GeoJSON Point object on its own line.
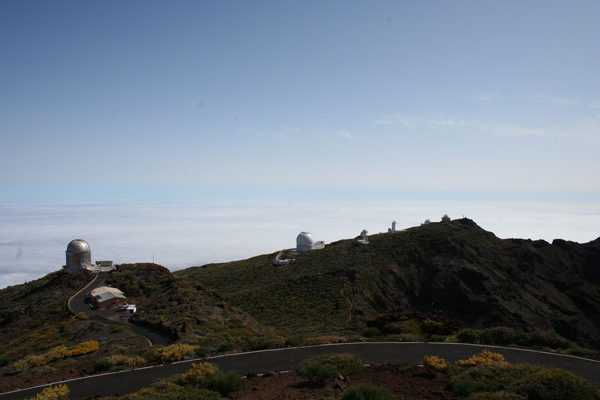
{"type": "Point", "coordinates": [304, 242]}
{"type": "Point", "coordinates": [79, 255]}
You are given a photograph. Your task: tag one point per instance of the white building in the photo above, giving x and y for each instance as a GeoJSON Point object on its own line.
{"type": "Point", "coordinates": [131, 309]}
{"type": "Point", "coordinates": [305, 242]}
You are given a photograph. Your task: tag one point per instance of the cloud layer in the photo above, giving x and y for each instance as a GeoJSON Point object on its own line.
{"type": "Point", "coordinates": [35, 237]}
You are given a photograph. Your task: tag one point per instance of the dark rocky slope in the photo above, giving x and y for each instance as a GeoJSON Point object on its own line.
{"type": "Point", "coordinates": [456, 267]}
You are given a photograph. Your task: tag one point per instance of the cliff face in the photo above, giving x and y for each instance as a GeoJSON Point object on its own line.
{"type": "Point", "coordinates": [455, 267]}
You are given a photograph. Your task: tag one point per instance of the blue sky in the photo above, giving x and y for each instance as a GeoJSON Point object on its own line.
{"type": "Point", "coordinates": [184, 98]}
{"type": "Point", "coordinates": [206, 131]}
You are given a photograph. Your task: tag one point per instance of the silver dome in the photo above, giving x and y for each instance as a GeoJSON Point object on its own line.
{"type": "Point", "coordinates": [78, 246]}
{"type": "Point", "coordinates": [79, 255]}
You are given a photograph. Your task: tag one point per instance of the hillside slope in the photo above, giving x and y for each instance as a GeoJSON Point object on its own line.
{"type": "Point", "coordinates": [184, 310]}
{"type": "Point", "coordinates": [456, 267]}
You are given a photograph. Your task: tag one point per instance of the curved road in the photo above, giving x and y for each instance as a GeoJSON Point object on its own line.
{"type": "Point", "coordinates": [289, 359]}
{"type": "Point", "coordinates": [77, 304]}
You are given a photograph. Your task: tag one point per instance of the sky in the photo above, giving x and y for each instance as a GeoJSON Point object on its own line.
{"type": "Point", "coordinates": [138, 103]}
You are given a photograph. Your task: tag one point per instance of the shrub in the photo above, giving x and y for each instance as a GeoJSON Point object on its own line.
{"type": "Point", "coordinates": [370, 332]}
{"type": "Point", "coordinates": [327, 366]}
{"type": "Point", "coordinates": [564, 385]}
{"type": "Point", "coordinates": [316, 371]}
{"type": "Point", "coordinates": [409, 327]}
{"type": "Point", "coordinates": [84, 348]}
{"type": "Point", "coordinates": [294, 341]}
{"type": "Point", "coordinates": [201, 351]}
{"type": "Point", "coordinates": [472, 336]}
{"type": "Point", "coordinates": [463, 385]}
{"type": "Point", "coordinates": [199, 372]}
{"type": "Point", "coordinates": [5, 359]}
{"type": "Point", "coordinates": [502, 336]}
{"type": "Point", "coordinates": [53, 393]}
{"type": "Point", "coordinates": [102, 365]}
{"type": "Point", "coordinates": [367, 391]}
{"type": "Point", "coordinates": [434, 364]}
{"type": "Point", "coordinates": [174, 352]}
{"type": "Point", "coordinates": [78, 317]}
{"type": "Point", "coordinates": [485, 357]}
{"type": "Point", "coordinates": [171, 391]}
{"type": "Point", "coordinates": [225, 347]}
{"type": "Point", "coordinates": [134, 361]}
{"type": "Point", "coordinates": [254, 344]}
{"type": "Point", "coordinates": [224, 382]}
{"type": "Point", "coordinates": [344, 363]}
{"type": "Point", "coordinates": [548, 339]}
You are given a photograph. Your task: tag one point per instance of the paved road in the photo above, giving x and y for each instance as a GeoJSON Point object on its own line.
{"type": "Point", "coordinates": [77, 304]}
{"type": "Point", "coordinates": [288, 359]}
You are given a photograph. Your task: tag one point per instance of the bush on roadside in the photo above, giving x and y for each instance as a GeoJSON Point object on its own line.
{"type": "Point", "coordinates": [56, 353]}
{"type": "Point", "coordinates": [225, 347]}
{"type": "Point", "coordinates": [102, 365]}
{"type": "Point", "coordinates": [262, 343]}
{"type": "Point", "coordinates": [316, 371]}
{"type": "Point", "coordinates": [326, 366]}
{"type": "Point", "coordinates": [53, 393]}
{"type": "Point", "coordinates": [224, 382]}
{"type": "Point", "coordinates": [485, 357]}
{"type": "Point", "coordinates": [434, 364]}
{"type": "Point", "coordinates": [174, 352]}
{"type": "Point", "coordinates": [199, 372]}
{"type": "Point", "coordinates": [370, 332]}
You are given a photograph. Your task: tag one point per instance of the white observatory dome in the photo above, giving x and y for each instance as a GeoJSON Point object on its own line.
{"type": "Point", "coordinates": [304, 242]}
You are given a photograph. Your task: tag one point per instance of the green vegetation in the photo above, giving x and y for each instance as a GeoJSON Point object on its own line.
{"type": "Point", "coordinates": [327, 366]}
{"type": "Point", "coordinates": [184, 310]}
{"type": "Point", "coordinates": [224, 382]}
{"type": "Point", "coordinates": [53, 393]}
{"type": "Point", "coordinates": [174, 352]}
{"type": "Point", "coordinates": [56, 353]}
{"type": "Point", "coordinates": [203, 381]}
{"type": "Point", "coordinates": [488, 376]}
{"type": "Point", "coordinates": [367, 391]}
{"type": "Point", "coordinates": [336, 291]}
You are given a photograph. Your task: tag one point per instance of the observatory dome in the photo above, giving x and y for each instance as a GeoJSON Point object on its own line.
{"type": "Point", "coordinates": [79, 255]}
{"type": "Point", "coordinates": [304, 241]}
{"type": "Point", "coordinates": [78, 246]}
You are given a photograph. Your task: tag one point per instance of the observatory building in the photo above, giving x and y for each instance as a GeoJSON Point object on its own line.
{"type": "Point", "coordinates": [79, 256]}
{"type": "Point", "coordinates": [305, 242]}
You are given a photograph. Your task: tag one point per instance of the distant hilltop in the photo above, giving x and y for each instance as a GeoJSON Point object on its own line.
{"type": "Point", "coordinates": [452, 266]}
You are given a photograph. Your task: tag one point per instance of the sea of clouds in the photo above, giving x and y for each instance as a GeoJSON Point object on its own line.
{"type": "Point", "coordinates": [34, 236]}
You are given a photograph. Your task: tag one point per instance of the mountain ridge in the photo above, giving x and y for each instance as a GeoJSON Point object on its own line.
{"type": "Point", "coordinates": [456, 267]}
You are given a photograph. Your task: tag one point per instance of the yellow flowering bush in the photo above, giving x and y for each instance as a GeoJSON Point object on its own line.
{"type": "Point", "coordinates": [54, 354]}
{"type": "Point", "coordinates": [84, 348]}
{"type": "Point", "coordinates": [200, 371]}
{"type": "Point", "coordinates": [129, 361]}
{"type": "Point", "coordinates": [485, 357]}
{"type": "Point", "coordinates": [78, 317]}
{"type": "Point", "coordinates": [434, 363]}
{"type": "Point", "coordinates": [174, 352]}
{"type": "Point", "coordinates": [53, 393]}
{"type": "Point", "coordinates": [133, 361]}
